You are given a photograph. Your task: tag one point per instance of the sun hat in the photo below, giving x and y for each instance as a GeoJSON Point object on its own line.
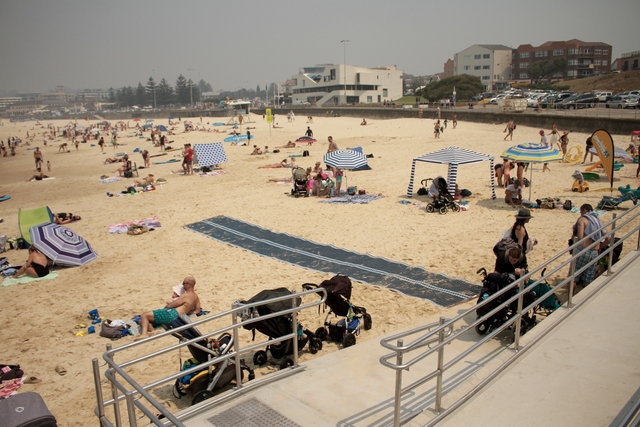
{"type": "Point", "coordinates": [524, 214]}
{"type": "Point", "coordinates": [541, 132]}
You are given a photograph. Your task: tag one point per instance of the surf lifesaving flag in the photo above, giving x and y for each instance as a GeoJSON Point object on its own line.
{"type": "Point", "coordinates": [603, 143]}
{"type": "Point", "coordinates": [269, 116]}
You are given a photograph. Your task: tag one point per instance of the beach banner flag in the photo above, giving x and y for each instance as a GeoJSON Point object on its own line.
{"type": "Point", "coordinates": [603, 143]}
{"type": "Point", "coordinates": [269, 116]}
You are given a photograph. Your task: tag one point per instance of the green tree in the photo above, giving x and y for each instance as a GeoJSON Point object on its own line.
{"type": "Point", "coordinates": [150, 92]}
{"type": "Point", "coordinates": [558, 65]}
{"type": "Point", "coordinates": [182, 90]}
{"type": "Point", "coordinates": [204, 86]}
{"type": "Point", "coordinates": [112, 95]}
{"type": "Point", "coordinates": [538, 70]}
{"type": "Point", "coordinates": [140, 95]}
{"type": "Point", "coordinates": [466, 87]}
{"type": "Point", "coordinates": [164, 95]}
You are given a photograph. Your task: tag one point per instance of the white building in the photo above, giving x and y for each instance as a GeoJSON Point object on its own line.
{"type": "Point", "coordinates": [329, 84]}
{"type": "Point", "coordinates": [490, 62]}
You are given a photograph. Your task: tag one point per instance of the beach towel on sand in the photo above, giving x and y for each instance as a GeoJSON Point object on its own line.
{"type": "Point", "coordinates": [121, 228]}
{"type": "Point", "coordinates": [8, 281]}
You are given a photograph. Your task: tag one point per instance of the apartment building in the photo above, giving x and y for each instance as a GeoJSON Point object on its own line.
{"type": "Point", "coordinates": [490, 62]}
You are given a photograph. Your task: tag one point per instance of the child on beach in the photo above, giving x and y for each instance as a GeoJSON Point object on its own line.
{"type": "Point", "coordinates": [48, 166]}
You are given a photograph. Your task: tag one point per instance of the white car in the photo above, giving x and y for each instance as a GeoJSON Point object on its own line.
{"type": "Point", "coordinates": [495, 100]}
{"type": "Point", "coordinates": [604, 96]}
{"type": "Point", "coordinates": [532, 101]}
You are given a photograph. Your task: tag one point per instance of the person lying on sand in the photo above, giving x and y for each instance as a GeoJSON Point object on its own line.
{"type": "Point", "coordinates": [38, 177]}
{"type": "Point", "coordinates": [282, 164]}
{"type": "Point", "coordinates": [36, 265]}
{"type": "Point", "coordinates": [289, 144]}
{"type": "Point", "coordinates": [65, 218]}
{"type": "Point", "coordinates": [187, 303]}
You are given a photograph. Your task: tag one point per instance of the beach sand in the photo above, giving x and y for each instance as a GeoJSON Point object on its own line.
{"type": "Point", "coordinates": [134, 274]}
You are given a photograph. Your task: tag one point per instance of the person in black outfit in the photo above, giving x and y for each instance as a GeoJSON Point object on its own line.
{"type": "Point", "coordinates": [309, 132]}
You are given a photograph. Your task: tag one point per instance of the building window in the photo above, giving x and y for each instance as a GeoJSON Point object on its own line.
{"type": "Point", "coordinates": [541, 54]}
{"type": "Point", "coordinates": [586, 50]}
{"type": "Point", "coordinates": [558, 52]}
{"type": "Point", "coordinates": [573, 51]}
{"type": "Point", "coordinates": [585, 62]}
{"type": "Point", "coordinates": [477, 56]}
{"type": "Point", "coordinates": [486, 67]}
{"type": "Point", "coordinates": [571, 73]}
{"type": "Point", "coordinates": [486, 56]}
{"type": "Point", "coordinates": [597, 62]}
{"type": "Point", "coordinates": [467, 57]}
{"type": "Point", "coordinates": [524, 65]}
{"type": "Point", "coordinates": [467, 67]}
{"type": "Point", "coordinates": [524, 75]}
{"type": "Point", "coordinates": [384, 93]}
{"type": "Point", "coordinates": [486, 77]}
{"type": "Point", "coordinates": [332, 74]}
{"type": "Point", "coordinates": [325, 79]}
{"type": "Point", "coordinates": [598, 51]}
{"type": "Point", "coordinates": [303, 83]}
{"type": "Point", "coordinates": [295, 82]}
{"type": "Point", "coordinates": [605, 62]}
{"type": "Point", "coordinates": [369, 99]}
{"type": "Point", "coordinates": [605, 51]}
{"type": "Point", "coordinates": [572, 62]}
{"type": "Point", "coordinates": [558, 74]}
{"type": "Point", "coordinates": [477, 67]}
{"type": "Point", "coordinates": [524, 54]}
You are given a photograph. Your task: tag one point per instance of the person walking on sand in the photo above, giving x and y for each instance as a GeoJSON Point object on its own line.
{"type": "Point", "coordinates": [187, 303]}
{"type": "Point", "coordinates": [511, 126]}
{"type": "Point", "coordinates": [563, 142]}
{"type": "Point", "coordinates": [436, 129]}
{"type": "Point", "coordinates": [309, 132]}
{"type": "Point", "coordinates": [37, 155]}
{"type": "Point", "coordinates": [332, 145]}
{"type": "Point", "coordinates": [544, 141]}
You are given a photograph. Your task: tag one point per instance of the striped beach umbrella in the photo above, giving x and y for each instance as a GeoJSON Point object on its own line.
{"type": "Point", "coordinates": [345, 159]}
{"type": "Point", "coordinates": [61, 244]}
{"type": "Point", "coordinates": [532, 152]}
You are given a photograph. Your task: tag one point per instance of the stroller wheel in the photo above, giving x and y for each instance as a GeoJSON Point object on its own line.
{"type": "Point", "coordinates": [321, 333]}
{"type": "Point", "coordinates": [443, 210]}
{"type": "Point", "coordinates": [314, 345]}
{"type": "Point", "coordinates": [348, 340]}
{"type": "Point", "coordinates": [260, 358]}
{"type": "Point", "coordinates": [201, 396]}
{"type": "Point", "coordinates": [367, 321]}
{"type": "Point", "coordinates": [482, 328]}
{"type": "Point", "coordinates": [455, 207]}
{"type": "Point", "coordinates": [430, 208]}
{"type": "Point", "coordinates": [286, 363]}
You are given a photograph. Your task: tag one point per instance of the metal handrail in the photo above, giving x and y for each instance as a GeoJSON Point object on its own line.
{"type": "Point", "coordinates": [436, 331]}
{"type": "Point", "coordinates": [129, 388]}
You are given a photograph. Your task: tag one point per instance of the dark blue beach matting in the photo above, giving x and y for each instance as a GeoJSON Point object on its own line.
{"type": "Point", "coordinates": [412, 281]}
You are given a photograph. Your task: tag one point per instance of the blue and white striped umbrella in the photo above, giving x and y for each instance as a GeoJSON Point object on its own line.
{"type": "Point", "coordinates": [61, 244]}
{"type": "Point", "coordinates": [532, 152]}
{"type": "Point", "coordinates": [345, 159]}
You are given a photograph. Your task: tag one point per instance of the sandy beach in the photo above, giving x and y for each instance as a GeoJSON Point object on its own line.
{"type": "Point", "coordinates": [134, 274]}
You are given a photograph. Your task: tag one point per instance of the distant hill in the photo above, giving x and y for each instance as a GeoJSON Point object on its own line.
{"type": "Point", "coordinates": [629, 80]}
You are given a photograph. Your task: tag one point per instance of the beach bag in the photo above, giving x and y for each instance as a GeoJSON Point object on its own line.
{"type": "Point", "coordinates": [113, 332]}
{"type": "Point", "coordinates": [567, 205]}
{"type": "Point", "coordinates": [422, 191]}
{"type": "Point", "coordinates": [9, 372]}
{"type": "Point", "coordinates": [352, 191]}
{"type": "Point", "coordinates": [305, 153]}
{"type": "Point", "coordinates": [135, 229]}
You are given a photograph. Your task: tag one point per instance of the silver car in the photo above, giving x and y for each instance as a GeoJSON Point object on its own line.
{"type": "Point", "coordinates": [623, 101]}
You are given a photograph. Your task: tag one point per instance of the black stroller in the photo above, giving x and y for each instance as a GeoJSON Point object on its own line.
{"type": "Point", "coordinates": [443, 200]}
{"type": "Point", "coordinates": [204, 383]}
{"type": "Point", "coordinates": [277, 327]}
{"type": "Point", "coordinates": [300, 183]}
{"type": "Point", "coordinates": [491, 284]}
{"type": "Point", "coordinates": [352, 317]}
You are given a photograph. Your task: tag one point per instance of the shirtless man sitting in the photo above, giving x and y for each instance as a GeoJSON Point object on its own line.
{"type": "Point", "coordinates": [187, 303]}
{"type": "Point", "coordinates": [36, 265]}
{"type": "Point", "coordinates": [146, 181]}
{"type": "Point", "coordinates": [256, 151]}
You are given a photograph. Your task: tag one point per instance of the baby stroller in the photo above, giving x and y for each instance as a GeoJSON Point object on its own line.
{"type": "Point", "coordinates": [347, 328]}
{"type": "Point", "coordinates": [442, 200]}
{"type": "Point", "coordinates": [277, 327]}
{"type": "Point", "coordinates": [491, 284]}
{"type": "Point", "coordinates": [610, 203]}
{"type": "Point", "coordinates": [300, 183]}
{"type": "Point", "coordinates": [202, 384]}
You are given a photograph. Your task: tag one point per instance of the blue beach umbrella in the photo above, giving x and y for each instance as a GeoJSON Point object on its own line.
{"type": "Point", "coordinates": [61, 244]}
{"type": "Point", "coordinates": [149, 120]}
{"type": "Point", "coordinates": [532, 152]}
{"type": "Point", "coordinates": [161, 128]}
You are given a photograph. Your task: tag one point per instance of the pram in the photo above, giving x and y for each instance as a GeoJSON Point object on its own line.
{"type": "Point", "coordinates": [443, 199]}
{"type": "Point", "coordinates": [348, 327]}
{"type": "Point", "coordinates": [277, 327]}
{"type": "Point", "coordinates": [300, 183]}
{"type": "Point", "coordinates": [491, 284]}
{"type": "Point", "coordinates": [203, 384]}
{"type": "Point", "coordinates": [610, 203]}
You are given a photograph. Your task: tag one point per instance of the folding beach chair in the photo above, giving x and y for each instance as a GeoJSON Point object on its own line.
{"type": "Point", "coordinates": [28, 218]}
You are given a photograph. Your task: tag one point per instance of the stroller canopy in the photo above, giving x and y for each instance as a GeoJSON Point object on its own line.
{"type": "Point", "coordinates": [453, 156]}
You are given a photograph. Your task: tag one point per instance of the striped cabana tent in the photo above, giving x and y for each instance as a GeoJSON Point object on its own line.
{"type": "Point", "coordinates": [453, 157]}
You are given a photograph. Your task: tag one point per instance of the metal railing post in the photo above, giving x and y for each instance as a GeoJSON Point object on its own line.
{"type": "Point", "coordinates": [98, 385]}
{"type": "Point", "coordinates": [131, 409]}
{"type": "Point", "coordinates": [612, 240]}
{"type": "Point", "coordinates": [440, 365]}
{"type": "Point", "coordinates": [114, 392]}
{"type": "Point", "coordinates": [294, 320]}
{"type": "Point", "coordinates": [236, 347]}
{"type": "Point", "coordinates": [570, 284]}
{"type": "Point", "coordinates": [516, 342]}
{"type": "Point", "coordinates": [396, 404]}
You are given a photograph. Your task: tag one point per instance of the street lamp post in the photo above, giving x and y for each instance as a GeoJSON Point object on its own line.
{"type": "Point", "coordinates": [344, 44]}
{"type": "Point", "coordinates": [154, 89]}
{"type": "Point", "coordinates": [191, 88]}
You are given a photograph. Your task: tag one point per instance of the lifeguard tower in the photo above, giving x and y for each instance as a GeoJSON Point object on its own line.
{"type": "Point", "coordinates": [238, 111]}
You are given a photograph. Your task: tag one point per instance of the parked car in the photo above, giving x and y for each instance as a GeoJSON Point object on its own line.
{"type": "Point", "coordinates": [532, 101]}
{"type": "Point", "coordinates": [495, 99]}
{"type": "Point", "coordinates": [551, 100]}
{"type": "Point", "coordinates": [585, 100]}
{"type": "Point", "coordinates": [623, 101]}
{"type": "Point", "coordinates": [604, 96]}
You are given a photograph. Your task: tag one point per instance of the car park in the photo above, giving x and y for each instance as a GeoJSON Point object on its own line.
{"type": "Point", "coordinates": [551, 100]}
{"type": "Point", "coordinates": [622, 101]}
{"type": "Point", "coordinates": [532, 101]}
{"type": "Point", "coordinates": [585, 100]}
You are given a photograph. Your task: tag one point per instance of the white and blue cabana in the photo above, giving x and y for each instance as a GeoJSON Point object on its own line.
{"type": "Point", "coordinates": [453, 157]}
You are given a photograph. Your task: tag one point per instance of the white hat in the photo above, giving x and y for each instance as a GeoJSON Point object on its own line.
{"type": "Point", "coordinates": [178, 289]}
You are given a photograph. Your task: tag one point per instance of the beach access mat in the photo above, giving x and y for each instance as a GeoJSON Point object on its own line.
{"type": "Point", "coordinates": [413, 281]}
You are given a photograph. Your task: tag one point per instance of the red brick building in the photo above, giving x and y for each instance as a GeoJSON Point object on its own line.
{"type": "Point", "coordinates": [448, 69]}
{"type": "Point", "coordinates": [584, 59]}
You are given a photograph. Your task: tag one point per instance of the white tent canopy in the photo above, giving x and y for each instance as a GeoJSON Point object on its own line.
{"type": "Point", "coordinates": [454, 157]}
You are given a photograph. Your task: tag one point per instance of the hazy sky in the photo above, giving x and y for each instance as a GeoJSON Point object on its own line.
{"type": "Point", "coordinates": [234, 44]}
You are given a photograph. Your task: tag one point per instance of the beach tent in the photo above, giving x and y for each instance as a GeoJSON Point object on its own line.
{"type": "Point", "coordinates": [453, 157]}
{"type": "Point", "coordinates": [28, 218]}
{"type": "Point", "coordinates": [209, 154]}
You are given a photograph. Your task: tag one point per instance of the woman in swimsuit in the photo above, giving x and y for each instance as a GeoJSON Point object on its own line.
{"type": "Point", "coordinates": [65, 218]}
{"type": "Point", "coordinates": [36, 265]}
